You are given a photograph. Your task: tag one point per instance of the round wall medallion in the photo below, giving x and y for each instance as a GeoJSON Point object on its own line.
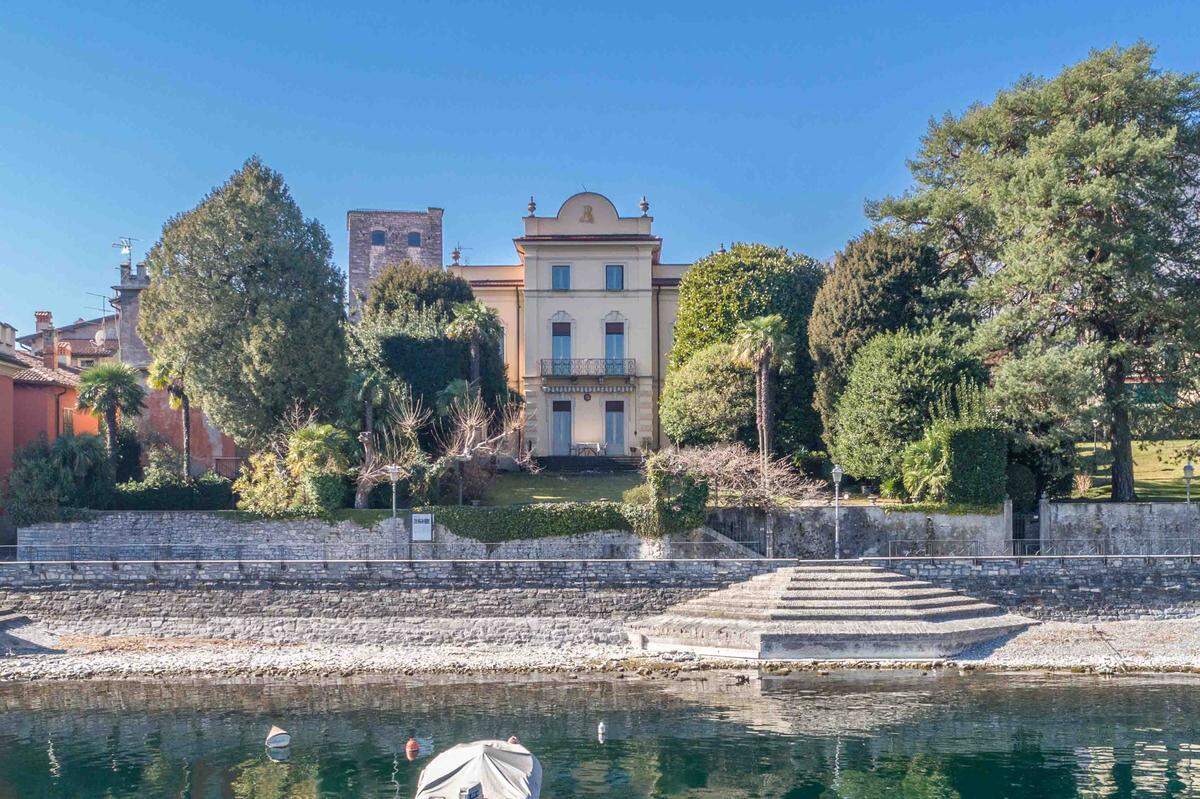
{"type": "Point", "coordinates": [587, 397]}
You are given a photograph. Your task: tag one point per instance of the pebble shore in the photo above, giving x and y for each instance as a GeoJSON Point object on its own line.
{"type": "Point", "coordinates": [1103, 647]}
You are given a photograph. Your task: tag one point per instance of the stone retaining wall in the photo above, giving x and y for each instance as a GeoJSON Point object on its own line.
{"type": "Point", "coordinates": [1070, 588]}
{"type": "Point", "coordinates": [419, 602]}
{"type": "Point", "coordinates": [175, 535]}
{"type": "Point", "coordinates": [1121, 527]}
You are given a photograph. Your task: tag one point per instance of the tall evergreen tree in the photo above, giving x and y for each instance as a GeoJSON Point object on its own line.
{"type": "Point", "coordinates": [244, 291]}
{"type": "Point", "coordinates": [1073, 200]}
{"type": "Point", "coordinates": [881, 282]}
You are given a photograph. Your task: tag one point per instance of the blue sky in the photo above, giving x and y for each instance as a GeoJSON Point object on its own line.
{"type": "Point", "coordinates": [753, 121]}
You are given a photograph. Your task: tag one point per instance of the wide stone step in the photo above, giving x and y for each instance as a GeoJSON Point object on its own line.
{"type": "Point", "coordinates": [828, 610]}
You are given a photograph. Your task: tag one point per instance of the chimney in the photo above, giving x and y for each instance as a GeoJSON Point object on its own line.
{"type": "Point", "coordinates": [8, 339]}
{"type": "Point", "coordinates": [42, 320]}
{"type": "Point", "coordinates": [64, 353]}
{"type": "Point", "coordinates": [49, 352]}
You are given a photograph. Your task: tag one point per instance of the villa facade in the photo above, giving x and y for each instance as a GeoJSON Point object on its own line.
{"type": "Point", "coordinates": [588, 313]}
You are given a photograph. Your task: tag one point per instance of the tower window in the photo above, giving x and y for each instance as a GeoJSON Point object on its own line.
{"type": "Point", "coordinates": [378, 238]}
{"type": "Point", "coordinates": [414, 239]}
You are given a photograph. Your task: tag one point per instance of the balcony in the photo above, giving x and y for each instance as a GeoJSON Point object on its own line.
{"type": "Point", "coordinates": [589, 367]}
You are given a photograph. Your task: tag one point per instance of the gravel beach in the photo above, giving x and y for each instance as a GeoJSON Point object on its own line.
{"type": "Point", "coordinates": [1104, 647]}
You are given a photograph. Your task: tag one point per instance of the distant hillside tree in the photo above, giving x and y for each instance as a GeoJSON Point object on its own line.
{"type": "Point", "coordinates": [880, 283]}
{"type": "Point", "coordinates": [749, 281]}
{"type": "Point", "coordinates": [1074, 201]}
{"type": "Point", "coordinates": [244, 291]}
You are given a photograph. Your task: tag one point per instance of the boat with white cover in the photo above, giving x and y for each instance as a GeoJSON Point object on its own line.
{"type": "Point", "coordinates": [482, 770]}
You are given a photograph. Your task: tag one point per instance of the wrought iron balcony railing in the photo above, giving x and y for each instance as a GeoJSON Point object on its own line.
{"type": "Point", "coordinates": [589, 367]}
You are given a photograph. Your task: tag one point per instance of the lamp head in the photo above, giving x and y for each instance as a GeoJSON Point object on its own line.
{"type": "Point", "coordinates": [1188, 470]}
{"type": "Point", "coordinates": [837, 474]}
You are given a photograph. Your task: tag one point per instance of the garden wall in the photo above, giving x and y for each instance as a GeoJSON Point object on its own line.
{"type": "Point", "coordinates": [394, 603]}
{"type": "Point", "coordinates": [808, 532]}
{"type": "Point", "coordinates": [160, 535]}
{"type": "Point", "coordinates": [1069, 588]}
{"type": "Point", "coordinates": [1121, 527]}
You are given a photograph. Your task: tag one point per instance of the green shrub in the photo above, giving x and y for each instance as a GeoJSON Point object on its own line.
{"type": "Point", "coordinates": [1022, 487]}
{"type": "Point", "coordinates": [894, 384]}
{"type": "Point", "coordinates": [208, 492]}
{"type": "Point", "coordinates": [672, 502]}
{"type": "Point", "coordinates": [53, 482]}
{"type": "Point", "coordinates": [977, 453]}
{"type": "Point", "coordinates": [326, 492]}
{"type": "Point", "coordinates": [266, 488]}
{"type": "Point", "coordinates": [925, 468]}
{"type": "Point", "coordinates": [542, 520]}
{"type": "Point", "coordinates": [709, 400]}
{"type": "Point", "coordinates": [127, 462]}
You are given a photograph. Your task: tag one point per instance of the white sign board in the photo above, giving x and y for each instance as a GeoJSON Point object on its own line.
{"type": "Point", "coordinates": [422, 527]}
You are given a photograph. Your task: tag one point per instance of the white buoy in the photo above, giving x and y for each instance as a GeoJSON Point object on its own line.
{"type": "Point", "coordinates": [278, 738]}
{"type": "Point", "coordinates": [601, 731]}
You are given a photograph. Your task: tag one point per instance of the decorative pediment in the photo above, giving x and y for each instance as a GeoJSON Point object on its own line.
{"type": "Point", "coordinates": [562, 316]}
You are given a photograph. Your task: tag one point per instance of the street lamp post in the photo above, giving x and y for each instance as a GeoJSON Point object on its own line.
{"type": "Point", "coordinates": [1188, 471]}
{"type": "Point", "coordinates": [1095, 444]}
{"type": "Point", "coordinates": [837, 512]}
{"type": "Point", "coordinates": [393, 472]}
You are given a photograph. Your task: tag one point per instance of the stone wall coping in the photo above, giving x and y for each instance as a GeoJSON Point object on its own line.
{"type": "Point", "coordinates": [491, 562]}
{"type": "Point", "coordinates": [1019, 558]}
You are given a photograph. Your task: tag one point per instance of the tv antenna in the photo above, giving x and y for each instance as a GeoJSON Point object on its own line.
{"type": "Point", "coordinates": [125, 245]}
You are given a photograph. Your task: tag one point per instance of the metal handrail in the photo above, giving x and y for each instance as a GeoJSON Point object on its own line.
{"type": "Point", "coordinates": [589, 367]}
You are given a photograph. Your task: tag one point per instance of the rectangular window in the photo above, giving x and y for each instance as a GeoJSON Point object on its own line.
{"type": "Point", "coordinates": [614, 277]}
{"type": "Point", "coordinates": [378, 238]}
{"type": "Point", "coordinates": [560, 348]}
{"type": "Point", "coordinates": [614, 348]}
{"type": "Point", "coordinates": [560, 278]}
{"type": "Point", "coordinates": [414, 239]}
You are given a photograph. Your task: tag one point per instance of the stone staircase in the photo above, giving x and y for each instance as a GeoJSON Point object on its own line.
{"type": "Point", "coordinates": [827, 610]}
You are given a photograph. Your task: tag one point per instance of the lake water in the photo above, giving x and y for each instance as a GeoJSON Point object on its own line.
{"type": "Point", "coordinates": [857, 735]}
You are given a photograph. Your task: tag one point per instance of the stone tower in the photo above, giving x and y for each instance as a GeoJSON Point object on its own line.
{"type": "Point", "coordinates": [128, 301]}
{"type": "Point", "coordinates": [382, 238]}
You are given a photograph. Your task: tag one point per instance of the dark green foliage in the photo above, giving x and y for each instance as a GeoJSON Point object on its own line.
{"type": "Point", "coordinates": [1022, 487]}
{"type": "Point", "coordinates": [542, 520]}
{"type": "Point", "coordinates": [881, 282]}
{"type": "Point", "coordinates": [51, 482]}
{"type": "Point", "coordinates": [169, 492]}
{"type": "Point", "coordinates": [428, 362]}
{"type": "Point", "coordinates": [747, 282]}
{"type": "Point", "coordinates": [976, 456]}
{"type": "Point", "coordinates": [894, 384]}
{"type": "Point", "coordinates": [672, 502]}
{"type": "Point", "coordinates": [709, 400]}
{"type": "Point", "coordinates": [326, 492]}
{"type": "Point", "coordinates": [406, 287]}
{"type": "Point", "coordinates": [244, 291]}
{"type": "Point", "coordinates": [127, 458]}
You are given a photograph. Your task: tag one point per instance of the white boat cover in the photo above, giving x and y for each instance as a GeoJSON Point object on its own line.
{"type": "Point", "coordinates": [506, 771]}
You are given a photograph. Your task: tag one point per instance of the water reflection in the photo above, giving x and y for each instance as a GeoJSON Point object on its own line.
{"type": "Point", "coordinates": [892, 735]}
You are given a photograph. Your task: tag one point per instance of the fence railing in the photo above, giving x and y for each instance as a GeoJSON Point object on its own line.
{"type": "Point", "coordinates": [1024, 547]}
{"type": "Point", "coordinates": [589, 367]}
{"type": "Point", "coordinates": [401, 551]}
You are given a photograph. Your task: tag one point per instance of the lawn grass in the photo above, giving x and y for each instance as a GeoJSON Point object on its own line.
{"type": "Point", "coordinates": [519, 488]}
{"type": "Point", "coordinates": [1157, 469]}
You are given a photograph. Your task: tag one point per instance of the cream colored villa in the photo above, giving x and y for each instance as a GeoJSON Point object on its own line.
{"type": "Point", "coordinates": [587, 315]}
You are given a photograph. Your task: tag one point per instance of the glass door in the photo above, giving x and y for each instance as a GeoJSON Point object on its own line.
{"type": "Point", "coordinates": [560, 348]}
{"type": "Point", "coordinates": [614, 348]}
{"type": "Point", "coordinates": [614, 427]}
{"type": "Point", "coordinates": [560, 430]}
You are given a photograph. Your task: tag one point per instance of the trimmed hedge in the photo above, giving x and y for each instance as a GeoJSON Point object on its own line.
{"type": "Point", "coordinates": [977, 456]}
{"type": "Point", "coordinates": [494, 524]}
{"type": "Point", "coordinates": [210, 492]}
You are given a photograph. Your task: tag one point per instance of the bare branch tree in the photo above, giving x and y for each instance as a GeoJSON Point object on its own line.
{"type": "Point", "coordinates": [741, 475]}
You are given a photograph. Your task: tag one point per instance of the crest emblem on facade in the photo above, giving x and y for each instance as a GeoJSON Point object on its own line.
{"type": "Point", "coordinates": [587, 214]}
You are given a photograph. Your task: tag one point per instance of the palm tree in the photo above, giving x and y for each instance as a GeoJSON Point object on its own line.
{"type": "Point", "coordinates": [456, 393]}
{"type": "Point", "coordinates": [764, 345]}
{"type": "Point", "coordinates": [165, 376]}
{"type": "Point", "coordinates": [373, 389]}
{"type": "Point", "coordinates": [111, 390]}
{"type": "Point", "coordinates": [476, 324]}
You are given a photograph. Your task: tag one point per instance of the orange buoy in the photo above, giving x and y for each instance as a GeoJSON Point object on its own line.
{"type": "Point", "coordinates": [412, 749]}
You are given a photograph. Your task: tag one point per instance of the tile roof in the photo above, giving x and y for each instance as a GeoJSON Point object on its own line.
{"type": "Point", "coordinates": [35, 372]}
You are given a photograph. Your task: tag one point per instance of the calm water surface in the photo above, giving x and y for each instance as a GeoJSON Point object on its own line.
{"type": "Point", "coordinates": [929, 736]}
